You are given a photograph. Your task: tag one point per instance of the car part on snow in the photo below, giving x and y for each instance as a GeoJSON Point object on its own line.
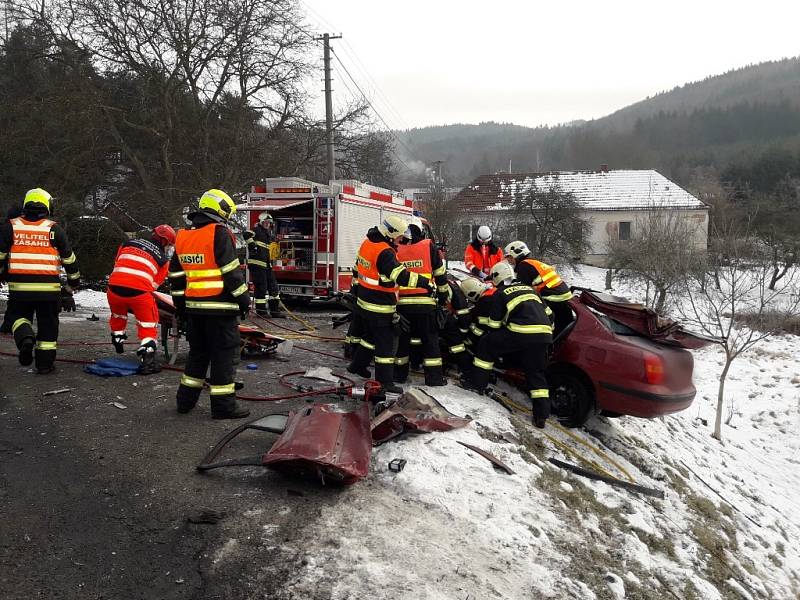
{"type": "Point", "coordinates": [490, 457]}
{"type": "Point", "coordinates": [397, 464]}
{"type": "Point", "coordinates": [417, 412]}
{"type": "Point", "coordinates": [320, 442]}
{"type": "Point", "coordinates": [633, 487]}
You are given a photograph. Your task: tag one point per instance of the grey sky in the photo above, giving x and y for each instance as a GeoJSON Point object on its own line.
{"type": "Point", "coordinates": [533, 62]}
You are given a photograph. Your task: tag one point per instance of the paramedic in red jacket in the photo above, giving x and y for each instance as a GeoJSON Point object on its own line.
{"type": "Point", "coordinates": [482, 254]}
{"type": "Point", "coordinates": [139, 268]}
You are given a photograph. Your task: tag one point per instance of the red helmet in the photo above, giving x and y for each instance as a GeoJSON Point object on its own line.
{"type": "Point", "coordinates": [164, 234]}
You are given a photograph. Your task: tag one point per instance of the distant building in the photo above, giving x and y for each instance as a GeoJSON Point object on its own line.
{"type": "Point", "coordinates": [613, 201]}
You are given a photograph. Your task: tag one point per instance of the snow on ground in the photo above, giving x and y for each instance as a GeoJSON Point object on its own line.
{"type": "Point", "coordinates": [450, 526]}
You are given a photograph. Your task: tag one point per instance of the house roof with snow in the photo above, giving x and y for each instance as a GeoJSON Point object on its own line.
{"type": "Point", "coordinates": [594, 190]}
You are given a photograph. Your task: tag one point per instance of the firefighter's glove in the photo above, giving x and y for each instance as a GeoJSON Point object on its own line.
{"type": "Point", "coordinates": [476, 271]}
{"type": "Point", "coordinates": [400, 323]}
{"type": "Point", "coordinates": [244, 305]}
{"type": "Point", "coordinates": [348, 301]}
{"type": "Point", "coordinates": [67, 301]}
{"type": "Point", "coordinates": [446, 296]}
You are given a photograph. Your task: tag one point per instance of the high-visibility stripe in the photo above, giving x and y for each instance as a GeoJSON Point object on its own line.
{"type": "Point", "coordinates": [205, 285]}
{"type": "Point", "coordinates": [384, 360]}
{"type": "Point", "coordinates": [46, 269]}
{"type": "Point", "coordinates": [116, 316]}
{"type": "Point", "coordinates": [203, 273]}
{"type": "Point", "coordinates": [177, 292]}
{"type": "Point", "coordinates": [192, 382]}
{"type": "Point", "coordinates": [476, 330]}
{"type": "Point", "coordinates": [369, 280]}
{"type": "Point", "coordinates": [19, 323]}
{"type": "Point", "coordinates": [146, 324]}
{"type": "Point", "coordinates": [238, 291]}
{"type": "Point", "coordinates": [377, 308]}
{"type": "Point", "coordinates": [176, 274]}
{"type": "Point", "coordinates": [482, 364]}
{"type": "Point", "coordinates": [3, 255]}
{"type": "Point", "coordinates": [222, 390]}
{"type": "Point", "coordinates": [135, 272]}
{"type": "Point", "coordinates": [558, 297]}
{"type": "Point", "coordinates": [43, 228]}
{"type": "Point", "coordinates": [457, 348]}
{"type": "Point", "coordinates": [538, 280]}
{"type": "Point", "coordinates": [494, 324]}
{"type": "Point", "coordinates": [40, 345]}
{"type": "Point", "coordinates": [74, 276]}
{"type": "Point", "coordinates": [261, 244]}
{"type": "Point", "coordinates": [351, 339]}
{"type": "Point", "coordinates": [543, 329]}
{"type": "Point", "coordinates": [440, 271]}
{"type": "Point", "coordinates": [483, 320]}
{"type": "Point", "coordinates": [463, 311]}
{"type": "Point", "coordinates": [258, 263]}
{"type": "Point", "coordinates": [211, 305]}
{"type": "Point", "coordinates": [416, 341]}
{"type": "Point", "coordinates": [70, 259]}
{"type": "Point", "coordinates": [261, 300]}
{"type": "Point", "coordinates": [416, 300]}
{"type": "Point", "coordinates": [443, 288]}
{"type": "Point", "coordinates": [140, 259]}
{"type": "Point", "coordinates": [366, 344]}
{"type": "Point", "coordinates": [432, 362]}
{"type": "Point", "coordinates": [548, 276]}
{"type": "Point", "coordinates": [45, 258]}
{"type": "Point", "coordinates": [234, 264]}
{"type": "Point", "coordinates": [396, 273]}
{"type": "Point", "coordinates": [33, 287]}
{"type": "Point", "coordinates": [463, 330]}
{"type": "Point", "coordinates": [548, 311]}
{"type": "Point", "coordinates": [401, 360]}
{"type": "Point", "coordinates": [540, 393]}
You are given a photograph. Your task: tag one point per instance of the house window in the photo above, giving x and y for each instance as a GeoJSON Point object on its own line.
{"type": "Point", "coordinates": [624, 230]}
{"type": "Point", "coordinates": [466, 232]}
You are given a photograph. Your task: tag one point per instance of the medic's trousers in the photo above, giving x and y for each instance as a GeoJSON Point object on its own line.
{"type": "Point", "coordinates": [533, 357]}
{"type": "Point", "coordinates": [378, 341]}
{"type": "Point", "coordinates": [21, 314]}
{"type": "Point", "coordinates": [422, 334]}
{"type": "Point", "coordinates": [143, 306]}
{"type": "Point", "coordinates": [213, 340]}
{"type": "Point", "coordinates": [265, 289]}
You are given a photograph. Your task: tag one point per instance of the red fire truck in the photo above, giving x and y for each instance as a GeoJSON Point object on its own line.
{"type": "Point", "coordinates": [319, 229]}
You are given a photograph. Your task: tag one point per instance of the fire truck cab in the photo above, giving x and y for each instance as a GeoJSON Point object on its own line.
{"type": "Point", "coordinates": [319, 228]}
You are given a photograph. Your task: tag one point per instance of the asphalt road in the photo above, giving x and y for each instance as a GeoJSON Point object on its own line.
{"type": "Point", "coordinates": [97, 501]}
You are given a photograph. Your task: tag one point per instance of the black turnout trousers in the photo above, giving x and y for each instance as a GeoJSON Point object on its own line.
{"type": "Point", "coordinates": [21, 315]}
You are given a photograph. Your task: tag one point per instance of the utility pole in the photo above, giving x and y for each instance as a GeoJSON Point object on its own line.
{"type": "Point", "coordinates": [326, 46]}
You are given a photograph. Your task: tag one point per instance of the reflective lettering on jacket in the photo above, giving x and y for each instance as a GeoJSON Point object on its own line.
{"type": "Point", "coordinates": [417, 259]}
{"type": "Point", "coordinates": [367, 267]}
{"type": "Point", "coordinates": [32, 251]}
{"type": "Point", "coordinates": [204, 283]}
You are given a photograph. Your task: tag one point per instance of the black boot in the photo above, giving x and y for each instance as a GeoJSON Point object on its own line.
{"type": "Point", "coordinates": [275, 309]}
{"type": "Point", "coordinates": [435, 380]}
{"type": "Point", "coordinates": [26, 351]}
{"type": "Point", "coordinates": [45, 369]}
{"type": "Point", "coordinates": [226, 407]}
{"type": "Point", "coordinates": [361, 372]}
{"type": "Point", "coordinates": [390, 388]}
{"type": "Point", "coordinates": [147, 354]}
{"type": "Point", "coordinates": [117, 340]}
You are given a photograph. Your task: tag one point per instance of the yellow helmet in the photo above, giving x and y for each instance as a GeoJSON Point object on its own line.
{"type": "Point", "coordinates": [38, 196]}
{"type": "Point", "coordinates": [473, 289]}
{"type": "Point", "coordinates": [394, 227]}
{"type": "Point", "coordinates": [218, 203]}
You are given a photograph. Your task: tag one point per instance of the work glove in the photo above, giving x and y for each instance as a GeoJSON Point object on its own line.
{"type": "Point", "coordinates": [244, 305]}
{"type": "Point", "coordinates": [481, 275]}
{"type": "Point", "coordinates": [67, 301]}
{"type": "Point", "coordinates": [400, 323]}
{"type": "Point", "coordinates": [446, 296]}
{"type": "Point", "coordinates": [476, 271]}
{"type": "Point", "coordinates": [248, 235]}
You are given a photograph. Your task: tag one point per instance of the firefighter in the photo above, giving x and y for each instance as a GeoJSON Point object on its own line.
{"type": "Point", "coordinates": [480, 295]}
{"type": "Point", "coordinates": [481, 254]}
{"type": "Point", "coordinates": [544, 279]}
{"type": "Point", "coordinates": [259, 262]}
{"type": "Point", "coordinates": [379, 277]}
{"type": "Point", "coordinates": [34, 248]}
{"type": "Point", "coordinates": [518, 324]}
{"type": "Point", "coordinates": [139, 268]}
{"type": "Point", "coordinates": [453, 334]}
{"type": "Point", "coordinates": [419, 255]}
{"type": "Point", "coordinates": [209, 290]}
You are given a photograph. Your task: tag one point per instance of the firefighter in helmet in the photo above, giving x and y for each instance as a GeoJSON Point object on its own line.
{"type": "Point", "coordinates": [33, 250]}
{"type": "Point", "coordinates": [380, 276]}
{"type": "Point", "coordinates": [481, 254]}
{"type": "Point", "coordinates": [209, 288]}
{"type": "Point", "coordinates": [544, 279]}
{"type": "Point", "coordinates": [259, 262]}
{"type": "Point", "coordinates": [419, 255]}
{"type": "Point", "coordinates": [517, 323]}
{"type": "Point", "coordinates": [139, 268]}
{"type": "Point", "coordinates": [480, 295]}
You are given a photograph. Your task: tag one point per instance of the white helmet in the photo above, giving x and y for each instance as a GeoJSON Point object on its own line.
{"type": "Point", "coordinates": [517, 249]}
{"type": "Point", "coordinates": [484, 234]}
{"type": "Point", "coordinates": [415, 221]}
{"type": "Point", "coordinates": [502, 272]}
{"type": "Point", "coordinates": [473, 289]}
{"type": "Point", "coordinates": [264, 216]}
{"type": "Point", "coordinates": [394, 227]}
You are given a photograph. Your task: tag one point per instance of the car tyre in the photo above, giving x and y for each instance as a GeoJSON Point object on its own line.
{"type": "Point", "coordinates": [571, 398]}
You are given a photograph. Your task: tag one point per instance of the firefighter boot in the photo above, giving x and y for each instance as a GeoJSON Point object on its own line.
{"type": "Point", "coordinates": [118, 339]}
{"type": "Point", "coordinates": [226, 407]}
{"type": "Point", "coordinates": [261, 308]}
{"type": "Point", "coordinates": [26, 351]}
{"type": "Point", "coordinates": [147, 356]}
{"type": "Point", "coordinates": [360, 371]}
{"type": "Point", "coordinates": [391, 388]}
{"type": "Point", "coordinates": [275, 308]}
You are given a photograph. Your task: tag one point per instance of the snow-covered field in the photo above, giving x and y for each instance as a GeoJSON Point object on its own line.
{"type": "Point", "coordinates": [449, 526]}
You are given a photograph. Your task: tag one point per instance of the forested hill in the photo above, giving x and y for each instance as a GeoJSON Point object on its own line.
{"type": "Point", "coordinates": [702, 126]}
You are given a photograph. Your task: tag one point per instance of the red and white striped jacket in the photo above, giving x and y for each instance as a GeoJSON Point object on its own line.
{"type": "Point", "coordinates": [140, 265]}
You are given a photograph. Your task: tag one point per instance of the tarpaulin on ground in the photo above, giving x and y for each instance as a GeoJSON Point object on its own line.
{"type": "Point", "coordinates": [113, 367]}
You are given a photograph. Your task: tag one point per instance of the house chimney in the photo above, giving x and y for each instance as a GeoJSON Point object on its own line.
{"type": "Point", "coordinates": [604, 168]}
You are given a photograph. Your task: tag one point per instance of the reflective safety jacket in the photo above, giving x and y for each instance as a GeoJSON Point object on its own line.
{"type": "Point", "coordinates": [33, 250]}
{"type": "Point", "coordinates": [480, 315]}
{"type": "Point", "coordinates": [482, 256]}
{"type": "Point", "coordinates": [258, 248]}
{"type": "Point", "coordinates": [380, 276]}
{"type": "Point", "coordinates": [205, 274]}
{"type": "Point", "coordinates": [519, 309]}
{"type": "Point", "coordinates": [139, 265]}
{"type": "Point", "coordinates": [544, 279]}
{"type": "Point", "coordinates": [422, 258]}
{"type": "Point", "coordinates": [459, 307]}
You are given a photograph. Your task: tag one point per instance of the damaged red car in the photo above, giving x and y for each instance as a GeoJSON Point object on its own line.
{"type": "Point", "coordinates": [617, 358]}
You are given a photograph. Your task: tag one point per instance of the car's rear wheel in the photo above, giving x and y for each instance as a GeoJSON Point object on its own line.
{"type": "Point", "coordinates": [571, 397]}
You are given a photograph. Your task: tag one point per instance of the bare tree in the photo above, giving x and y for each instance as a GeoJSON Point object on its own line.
{"type": "Point", "coordinates": [730, 298]}
{"type": "Point", "coordinates": [662, 250]}
{"type": "Point", "coordinates": [558, 226]}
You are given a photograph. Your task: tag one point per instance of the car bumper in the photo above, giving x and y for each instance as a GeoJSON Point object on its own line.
{"type": "Point", "coordinates": [641, 403]}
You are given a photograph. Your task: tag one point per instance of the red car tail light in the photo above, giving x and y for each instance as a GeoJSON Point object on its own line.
{"type": "Point", "coordinates": [653, 368]}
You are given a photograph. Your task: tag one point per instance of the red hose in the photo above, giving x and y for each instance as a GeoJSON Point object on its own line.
{"type": "Point", "coordinates": [317, 392]}
{"type": "Point", "coordinates": [319, 337]}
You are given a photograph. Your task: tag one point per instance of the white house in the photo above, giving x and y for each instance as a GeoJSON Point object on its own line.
{"type": "Point", "coordinates": [614, 202]}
